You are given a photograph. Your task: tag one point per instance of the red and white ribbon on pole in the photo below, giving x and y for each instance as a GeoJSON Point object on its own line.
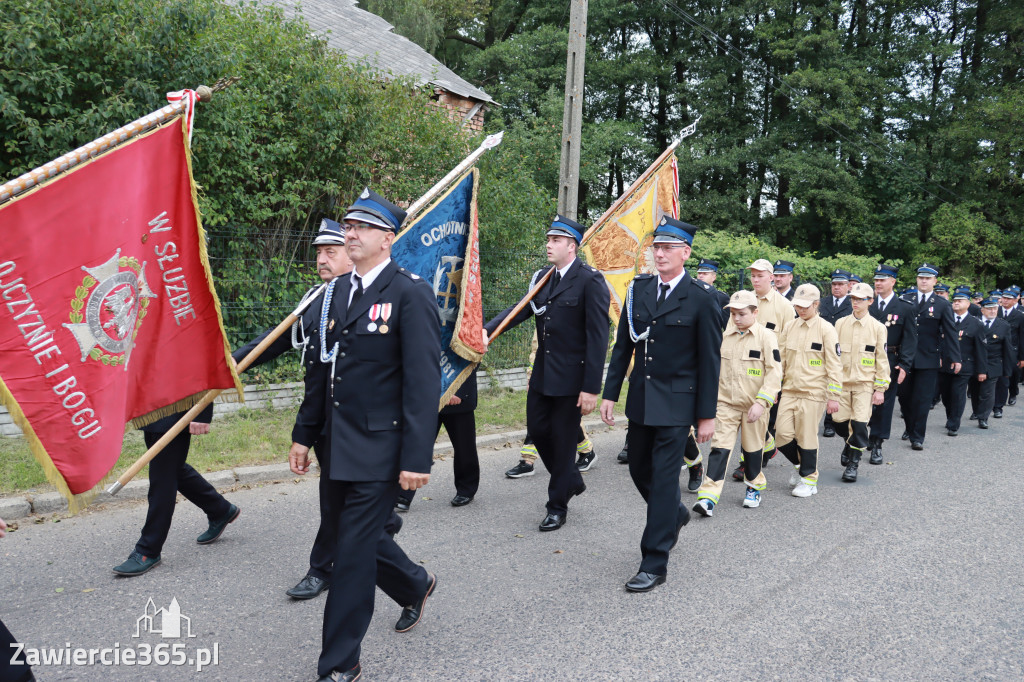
{"type": "Point", "coordinates": [189, 98]}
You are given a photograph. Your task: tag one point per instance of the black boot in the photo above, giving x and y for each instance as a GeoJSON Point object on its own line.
{"type": "Point", "coordinates": [876, 452]}
{"type": "Point", "coordinates": [844, 458]}
{"type": "Point", "coordinates": [850, 475]}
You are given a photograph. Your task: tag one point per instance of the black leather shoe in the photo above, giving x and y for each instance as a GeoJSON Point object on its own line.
{"type": "Point", "coordinates": [578, 491]}
{"type": "Point", "coordinates": [401, 505]}
{"type": "Point", "coordinates": [217, 527]}
{"type": "Point", "coordinates": [682, 519]}
{"type": "Point", "coordinates": [644, 582]}
{"type": "Point", "coordinates": [552, 522]}
{"type": "Point", "coordinates": [982, 423]}
{"type": "Point", "coordinates": [951, 432]}
{"type": "Point", "coordinates": [347, 676]}
{"type": "Point", "coordinates": [850, 475]}
{"type": "Point", "coordinates": [623, 457]}
{"type": "Point", "coordinates": [1011, 401]}
{"type": "Point", "coordinates": [844, 458]}
{"type": "Point", "coordinates": [829, 432]}
{"type": "Point", "coordinates": [411, 614]}
{"type": "Point", "coordinates": [905, 436]}
{"type": "Point", "coordinates": [461, 500]}
{"type": "Point", "coordinates": [876, 453]}
{"type": "Point", "coordinates": [696, 477]}
{"type": "Point", "coordinates": [309, 587]}
{"type": "Point", "coordinates": [974, 415]}
{"type": "Point", "coordinates": [997, 413]}
{"type": "Point", "coordinates": [917, 445]}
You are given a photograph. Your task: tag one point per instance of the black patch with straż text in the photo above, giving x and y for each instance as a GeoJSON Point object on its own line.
{"type": "Point", "coordinates": [769, 325]}
{"type": "Point", "coordinates": [869, 349]}
{"type": "Point", "coordinates": [776, 355]}
{"type": "Point", "coordinates": [815, 346]}
{"type": "Point", "coordinates": [755, 354]}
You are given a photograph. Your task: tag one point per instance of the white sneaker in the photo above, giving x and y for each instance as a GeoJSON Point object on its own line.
{"type": "Point", "coordinates": [704, 507]}
{"type": "Point", "coordinates": [795, 478]}
{"type": "Point", "coordinates": [804, 490]}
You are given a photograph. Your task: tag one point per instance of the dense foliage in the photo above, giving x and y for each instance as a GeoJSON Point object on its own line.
{"type": "Point", "coordinates": [863, 126]}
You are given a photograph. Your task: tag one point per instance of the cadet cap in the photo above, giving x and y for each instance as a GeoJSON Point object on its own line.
{"type": "Point", "coordinates": [760, 264]}
{"type": "Point", "coordinates": [806, 294]}
{"type": "Point", "coordinates": [861, 290]}
{"type": "Point", "coordinates": [742, 299]}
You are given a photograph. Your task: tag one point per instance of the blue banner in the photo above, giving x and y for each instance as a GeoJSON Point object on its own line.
{"type": "Point", "coordinates": [441, 247]}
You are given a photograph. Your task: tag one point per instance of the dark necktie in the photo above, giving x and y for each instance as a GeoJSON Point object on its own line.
{"type": "Point", "coordinates": [358, 293]}
{"type": "Point", "coordinates": [988, 323]}
{"type": "Point", "coordinates": [555, 279]}
{"type": "Point", "coordinates": [881, 306]}
{"type": "Point", "coordinates": [663, 294]}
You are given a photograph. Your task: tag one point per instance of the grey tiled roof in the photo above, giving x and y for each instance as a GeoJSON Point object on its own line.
{"type": "Point", "coordinates": [366, 37]}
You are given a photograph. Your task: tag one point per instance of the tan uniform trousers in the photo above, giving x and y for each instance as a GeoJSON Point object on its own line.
{"type": "Point", "coordinates": [729, 420]}
{"type": "Point", "coordinates": [798, 421]}
{"type": "Point", "coordinates": [855, 404]}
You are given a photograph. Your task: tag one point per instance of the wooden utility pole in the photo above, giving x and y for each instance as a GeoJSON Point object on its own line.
{"type": "Point", "coordinates": [572, 118]}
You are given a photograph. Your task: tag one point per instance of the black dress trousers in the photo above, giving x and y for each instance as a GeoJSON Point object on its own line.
{"type": "Point", "coordinates": [881, 415]}
{"type": "Point", "coordinates": [655, 458]}
{"type": "Point", "coordinates": [919, 402]}
{"type": "Point", "coordinates": [554, 421]}
{"type": "Point", "coordinates": [169, 474]}
{"type": "Point", "coordinates": [953, 389]}
{"type": "Point", "coordinates": [364, 556]}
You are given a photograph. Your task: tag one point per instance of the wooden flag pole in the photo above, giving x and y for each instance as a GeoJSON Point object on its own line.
{"type": "Point", "coordinates": [187, 418]}
{"type": "Point", "coordinates": [687, 131]}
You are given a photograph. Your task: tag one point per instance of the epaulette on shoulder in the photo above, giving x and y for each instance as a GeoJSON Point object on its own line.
{"type": "Point", "coordinates": [702, 285]}
{"type": "Point", "coordinates": [411, 275]}
{"type": "Point", "coordinates": [643, 275]}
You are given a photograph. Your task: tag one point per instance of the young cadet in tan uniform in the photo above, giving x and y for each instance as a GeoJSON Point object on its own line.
{"type": "Point", "coordinates": [862, 340]}
{"type": "Point", "coordinates": [749, 382]}
{"type": "Point", "coordinates": [774, 312]}
{"type": "Point", "coordinates": [811, 375]}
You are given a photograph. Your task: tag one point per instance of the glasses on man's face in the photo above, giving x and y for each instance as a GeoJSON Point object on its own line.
{"type": "Point", "coordinates": [668, 247]}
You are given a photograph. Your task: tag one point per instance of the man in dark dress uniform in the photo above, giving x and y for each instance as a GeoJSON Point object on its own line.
{"type": "Point", "coordinates": [572, 339]}
{"type": "Point", "coordinates": [899, 318]}
{"type": "Point", "coordinates": [1007, 389]}
{"type": "Point", "coordinates": [838, 304]}
{"type": "Point", "coordinates": [832, 309]}
{"type": "Point", "coordinates": [953, 387]}
{"type": "Point", "coordinates": [671, 328]}
{"type": "Point", "coordinates": [372, 392]}
{"type": "Point", "coordinates": [331, 261]}
{"type": "Point", "coordinates": [782, 274]}
{"type": "Point", "coordinates": [999, 359]}
{"type": "Point", "coordinates": [938, 346]}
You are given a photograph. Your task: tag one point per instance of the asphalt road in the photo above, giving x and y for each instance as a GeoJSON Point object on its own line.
{"type": "Point", "coordinates": [914, 572]}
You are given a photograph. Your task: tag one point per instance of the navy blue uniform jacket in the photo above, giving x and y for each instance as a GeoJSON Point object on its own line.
{"type": "Point", "coordinates": [675, 374]}
{"type": "Point", "coordinates": [937, 335]}
{"type": "Point", "coordinates": [973, 354]}
{"type": "Point", "coordinates": [382, 402]}
{"type": "Point", "coordinates": [572, 333]}
{"type": "Point", "coordinates": [1000, 357]}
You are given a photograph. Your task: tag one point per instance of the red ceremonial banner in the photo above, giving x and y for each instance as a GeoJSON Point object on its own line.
{"type": "Point", "coordinates": [107, 307]}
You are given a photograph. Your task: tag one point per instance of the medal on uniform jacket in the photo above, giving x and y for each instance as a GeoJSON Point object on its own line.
{"type": "Point", "coordinates": [374, 314]}
{"type": "Point", "coordinates": [385, 313]}
{"type": "Point", "coordinates": [931, 311]}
